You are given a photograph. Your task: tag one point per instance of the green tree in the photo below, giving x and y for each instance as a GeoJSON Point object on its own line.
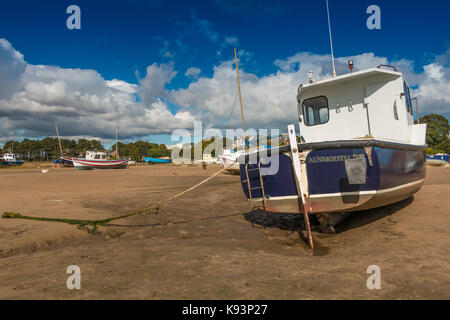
{"type": "Point", "coordinates": [437, 133]}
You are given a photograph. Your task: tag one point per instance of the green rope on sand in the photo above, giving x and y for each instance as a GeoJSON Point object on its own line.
{"type": "Point", "coordinates": [104, 222]}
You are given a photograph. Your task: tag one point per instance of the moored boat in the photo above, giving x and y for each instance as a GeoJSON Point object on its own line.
{"type": "Point", "coordinates": [98, 160]}
{"type": "Point", "coordinates": [11, 159]}
{"type": "Point", "coordinates": [229, 157]}
{"type": "Point", "coordinates": [66, 161]}
{"type": "Point", "coordinates": [438, 159]}
{"type": "Point", "coordinates": [361, 148]}
{"type": "Point", "coordinates": [151, 160]}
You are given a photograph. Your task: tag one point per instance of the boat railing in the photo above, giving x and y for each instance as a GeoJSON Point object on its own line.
{"type": "Point", "coordinates": [387, 66]}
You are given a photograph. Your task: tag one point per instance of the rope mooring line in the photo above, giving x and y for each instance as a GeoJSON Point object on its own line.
{"type": "Point", "coordinates": [104, 222]}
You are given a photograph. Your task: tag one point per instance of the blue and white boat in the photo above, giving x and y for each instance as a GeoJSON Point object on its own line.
{"type": "Point", "coordinates": [10, 159]}
{"type": "Point", "coordinates": [151, 160]}
{"type": "Point", "coordinates": [360, 149]}
{"type": "Point", "coordinates": [64, 161]}
{"type": "Point", "coordinates": [438, 159]}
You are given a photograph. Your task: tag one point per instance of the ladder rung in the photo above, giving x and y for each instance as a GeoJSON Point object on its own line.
{"type": "Point", "coordinates": [245, 181]}
{"type": "Point", "coordinates": [255, 169]}
{"type": "Point", "coordinates": [254, 188]}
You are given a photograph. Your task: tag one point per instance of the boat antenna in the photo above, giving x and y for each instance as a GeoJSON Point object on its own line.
{"type": "Point", "coordinates": [331, 40]}
{"type": "Point", "coordinates": [239, 88]}
{"type": "Point", "coordinates": [59, 140]}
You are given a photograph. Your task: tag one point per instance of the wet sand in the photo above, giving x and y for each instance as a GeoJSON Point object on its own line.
{"type": "Point", "coordinates": [208, 244]}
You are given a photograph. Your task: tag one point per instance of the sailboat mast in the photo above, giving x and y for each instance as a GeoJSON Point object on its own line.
{"type": "Point", "coordinates": [117, 146]}
{"type": "Point", "coordinates": [331, 40]}
{"type": "Point", "coordinates": [59, 140]}
{"type": "Point", "coordinates": [239, 87]}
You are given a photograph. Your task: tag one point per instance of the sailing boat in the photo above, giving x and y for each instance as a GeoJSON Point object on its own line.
{"type": "Point", "coordinates": [229, 157]}
{"type": "Point", "coordinates": [360, 149]}
{"type": "Point", "coordinates": [63, 160]}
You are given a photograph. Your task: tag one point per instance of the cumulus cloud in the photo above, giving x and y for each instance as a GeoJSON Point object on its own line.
{"type": "Point", "coordinates": [32, 97]}
{"type": "Point", "coordinates": [433, 91]}
{"type": "Point", "coordinates": [155, 80]}
{"type": "Point", "coordinates": [193, 72]}
{"type": "Point", "coordinates": [270, 100]}
{"type": "Point", "coordinates": [12, 66]}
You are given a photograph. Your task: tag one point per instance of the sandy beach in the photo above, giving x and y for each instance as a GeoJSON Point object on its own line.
{"type": "Point", "coordinates": [209, 244]}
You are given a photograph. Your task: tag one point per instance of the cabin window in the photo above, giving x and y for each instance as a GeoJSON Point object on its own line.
{"type": "Point", "coordinates": [97, 156]}
{"type": "Point", "coordinates": [315, 111]}
{"type": "Point", "coordinates": [395, 111]}
{"type": "Point", "coordinates": [407, 98]}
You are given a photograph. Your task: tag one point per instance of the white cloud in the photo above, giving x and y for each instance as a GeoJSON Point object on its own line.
{"type": "Point", "coordinates": [232, 41]}
{"type": "Point", "coordinates": [122, 85]}
{"type": "Point", "coordinates": [434, 90]}
{"type": "Point", "coordinates": [193, 72]}
{"type": "Point", "coordinates": [12, 66]}
{"type": "Point", "coordinates": [32, 97]}
{"type": "Point", "coordinates": [81, 101]}
{"type": "Point", "coordinates": [154, 82]}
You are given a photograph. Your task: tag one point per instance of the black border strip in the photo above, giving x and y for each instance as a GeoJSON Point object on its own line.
{"type": "Point", "coordinates": [344, 144]}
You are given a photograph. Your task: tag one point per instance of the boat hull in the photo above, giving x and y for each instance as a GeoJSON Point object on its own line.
{"type": "Point", "coordinates": [12, 163]}
{"type": "Point", "coordinates": [438, 160]}
{"type": "Point", "coordinates": [230, 163]}
{"type": "Point", "coordinates": [83, 164]}
{"type": "Point", "coordinates": [67, 162]}
{"type": "Point", "coordinates": [151, 160]}
{"type": "Point", "coordinates": [392, 174]}
{"type": "Point", "coordinates": [64, 162]}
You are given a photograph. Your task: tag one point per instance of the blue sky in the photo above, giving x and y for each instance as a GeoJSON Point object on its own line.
{"type": "Point", "coordinates": [121, 39]}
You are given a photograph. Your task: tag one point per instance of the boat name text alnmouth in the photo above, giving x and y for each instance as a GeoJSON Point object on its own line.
{"type": "Point", "coordinates": [334, 158]}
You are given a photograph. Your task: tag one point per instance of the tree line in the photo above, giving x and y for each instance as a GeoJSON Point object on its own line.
{"type": "Point", "coordinates": [438, 129]}
{"type": "Point", "coordinates": [47, 149]}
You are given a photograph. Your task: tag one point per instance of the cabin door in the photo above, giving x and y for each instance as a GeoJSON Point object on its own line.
{"type": "Point", "coordinates": [383, 112]}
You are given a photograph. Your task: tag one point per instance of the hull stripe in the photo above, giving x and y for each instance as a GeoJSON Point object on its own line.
{"type": "Point", "coordinates": [339, 194]}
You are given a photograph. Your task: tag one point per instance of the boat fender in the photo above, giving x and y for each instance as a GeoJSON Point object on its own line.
{"type": "Point", "coordinates": [356, 170]}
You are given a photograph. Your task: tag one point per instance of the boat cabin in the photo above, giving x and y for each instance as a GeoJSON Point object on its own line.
{"type": "Point", "coordinates": [11, 157]}
{"type": "Point", "coordinates": [373, 103]}
{"type": "Point", "coordinates": [93, 155]}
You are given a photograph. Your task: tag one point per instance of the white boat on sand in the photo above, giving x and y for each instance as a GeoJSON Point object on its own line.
{"type": "Point", "coordinates": [98, 160]}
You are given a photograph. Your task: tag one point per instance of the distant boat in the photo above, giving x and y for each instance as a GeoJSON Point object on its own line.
{"type": "Point", "coordinates": [10, 159]}
{"type": "Point", "coordinates": [98, 160]}
{"type": "Point", "coordinates": [64, 161]}
{"type": "Point", "coordinates": [151, 160]}
{"type": "Point", "coordinates": [438, 159]}
{"type": "Point", "coordinates": [229, 157]}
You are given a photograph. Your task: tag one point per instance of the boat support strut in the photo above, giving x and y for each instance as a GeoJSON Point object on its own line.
{"type": "Point", "coordinates": [298, 173]}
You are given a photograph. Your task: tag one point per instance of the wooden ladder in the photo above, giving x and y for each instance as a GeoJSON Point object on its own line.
{"type": "Point", "coordinates": [260, 187]}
